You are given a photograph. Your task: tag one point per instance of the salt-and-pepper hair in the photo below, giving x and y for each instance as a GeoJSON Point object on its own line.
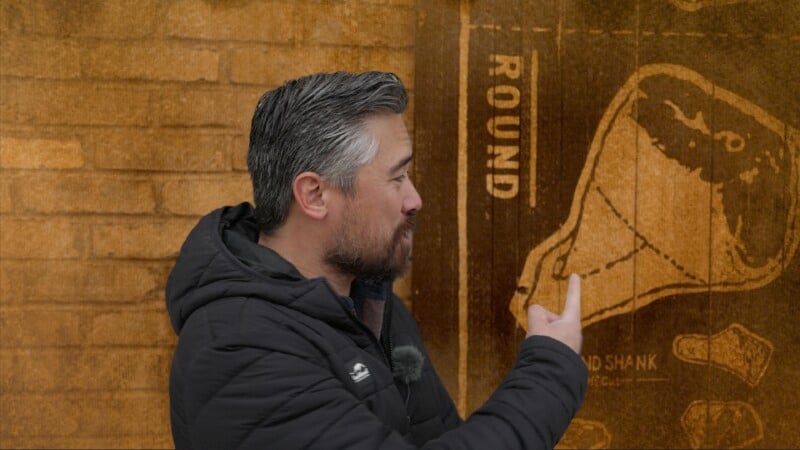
{"type": "Point", "coordinates": [315, 124]}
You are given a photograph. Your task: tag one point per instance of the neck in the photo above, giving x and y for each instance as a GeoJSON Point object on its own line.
{"type": "Point", "coordinates": [306, 257]}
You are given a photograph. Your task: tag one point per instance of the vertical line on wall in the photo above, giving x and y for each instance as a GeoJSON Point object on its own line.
{"type": "Point", "coordinates": [560, 65]}
{"type": "Point", "coordinates": [711, 123]}
{"type": "Point", "coordinates": [636, 65]}
{"type": "Point", "coordinates": [534, 134]}
{"type": "Point", "coordinates": [712, 126]}
{"type": "Point", "coordinates": [463, 253]}
{"type": "Point", "coordinates": [786, 251]}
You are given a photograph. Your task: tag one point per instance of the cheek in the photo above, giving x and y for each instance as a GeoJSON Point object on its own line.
{"type": "Point", "coordinates": [391, 205]}
{"type": "Point", "coordinates": [378, 216]}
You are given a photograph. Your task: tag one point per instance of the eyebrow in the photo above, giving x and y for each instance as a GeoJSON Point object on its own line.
{"type": "Point", "coordinates": [401, 164]}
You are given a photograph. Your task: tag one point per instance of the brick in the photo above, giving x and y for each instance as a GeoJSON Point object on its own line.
{"type": "Point", "coordinates": [84, 414]}
{"type": "Point", "coordinates": [185, 151]}
{"type": "Point", "coordinates": [43, 58]}
{"type": "Point", "coordinates": [408, 3]}
{"type": "Point", "coordinates": [19, 153]}
{"type": "Point", "coordinates": [132, 328]}
{"type": "Point", "coordinates": [43, 370]}
{"type": "Point", "coordinates": [198, 197]}
{"type": "Point", "coordinates": [37, 238]}
{"type": "Point", "coordinates": [37, 414]}
{"type": "Point", "coordinates": [151, 410]}
{"type": "Point", "coordinates": [141, 239]}
{"type": "Point", "coordinates": [247, 99]}
{"type": "Point", "coordinates": [64, 103]}
{"type": "Point", "coordinates": [6, 204]}
{"type": "Point", "coordinates": [85, 193]}
{"type": "Point", "coordinates": [151, 61]}
{"type": "Point", "coordinates": [197, 107]}
{"type": "Point", "coordinates": [358, 24]}
{"type": "Point", "coordinates": [398, 61]}
{"type": "Point", "coordinates": [263, 21]}
{"type": "Point", "coordinates": [273, 65]}
{"type": "Point", "coordinates": [79, 282]}
{"type": "Point", "coordinates": [241, 145]}
{"type": "Point", "coordinates": [105, 442]}
{"type": "Point", "coordinates": [33, 328]}
{"type": "Point", "coordinates": [92, 18]}
{"type": "Point", "coordinates": [13, 16]}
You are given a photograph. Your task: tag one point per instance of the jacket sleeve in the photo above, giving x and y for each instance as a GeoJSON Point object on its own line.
{"type": "Point", "coordinates": [279, 400]}
{"type": "Point", "coordinates": [532, 407]}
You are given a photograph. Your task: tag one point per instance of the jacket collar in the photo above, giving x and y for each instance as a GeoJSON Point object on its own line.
{"type": "Point", "coordinates": [221, 258]}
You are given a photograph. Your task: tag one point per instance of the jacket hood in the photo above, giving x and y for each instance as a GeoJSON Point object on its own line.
{"type": "Point", "coordinates": [221, 258]}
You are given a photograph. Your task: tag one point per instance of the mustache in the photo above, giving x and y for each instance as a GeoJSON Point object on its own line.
{"type": "Point", "coordinates": [406, 228]}
{"type": "Point", "coordinates": [410, 224]}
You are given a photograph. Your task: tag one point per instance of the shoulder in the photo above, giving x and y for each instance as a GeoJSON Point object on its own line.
{"type": "Point", "coordinates": [255, 326]}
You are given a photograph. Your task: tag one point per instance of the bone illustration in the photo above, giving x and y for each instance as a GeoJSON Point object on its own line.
{"type": "Point", "coordinates": [584, 433]}
{"type": "Point", "coordinates": [736, 350]}
{"type": "Point", "coordinates": [718, 424]}
{"type": "Point", "coordinates": [687, 188]}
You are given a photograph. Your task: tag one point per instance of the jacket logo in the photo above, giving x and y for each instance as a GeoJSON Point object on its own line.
{"type": "Point", "coordinates": [359, 372]}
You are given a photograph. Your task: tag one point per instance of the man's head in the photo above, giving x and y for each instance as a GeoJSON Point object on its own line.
{"type": "Point", "coordinates": [332, 150]}
{"type": "Point", "coordinates": [315, 123]}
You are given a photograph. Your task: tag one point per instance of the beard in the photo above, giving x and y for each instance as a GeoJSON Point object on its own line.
{"type": "Point", "coordinates": [366, 254]}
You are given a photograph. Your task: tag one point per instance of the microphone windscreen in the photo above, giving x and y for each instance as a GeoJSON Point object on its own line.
{"type": "Point", "coordinates": [407, 361]}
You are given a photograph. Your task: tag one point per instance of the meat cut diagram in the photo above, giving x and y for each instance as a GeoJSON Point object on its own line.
{"type": "Point", "coordinates": [687, 188]}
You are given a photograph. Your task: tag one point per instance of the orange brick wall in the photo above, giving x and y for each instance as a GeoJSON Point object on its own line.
{"type": "Point", "coordinates": [121, 123]}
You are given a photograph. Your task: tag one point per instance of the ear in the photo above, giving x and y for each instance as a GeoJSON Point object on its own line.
{"type": "Point", "coordinates": [309, 193]}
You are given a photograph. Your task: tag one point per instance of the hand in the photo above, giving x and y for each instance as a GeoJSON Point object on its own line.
{"type": "Point", "coordinates": [566, 327]}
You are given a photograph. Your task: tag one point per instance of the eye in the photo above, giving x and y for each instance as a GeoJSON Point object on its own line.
{"type": "Point", "coordinates": [400, 178]}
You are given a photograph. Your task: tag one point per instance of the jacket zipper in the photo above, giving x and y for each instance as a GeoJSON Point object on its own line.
{"type": "Point", "coordinates": [385, 345]}
{"type": "Point", "coordinates": [386, 329]}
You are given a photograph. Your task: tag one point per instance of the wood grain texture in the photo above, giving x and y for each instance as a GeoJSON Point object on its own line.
{"type": "Point", "coordinates": [663, 140]}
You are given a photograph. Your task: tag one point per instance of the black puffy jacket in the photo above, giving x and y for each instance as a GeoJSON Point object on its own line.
{"type": "Point", "coordinates": [269, 359]}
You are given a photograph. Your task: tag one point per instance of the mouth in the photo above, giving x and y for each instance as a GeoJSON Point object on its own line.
{"type": "Point", "coordinates": [406, 230]}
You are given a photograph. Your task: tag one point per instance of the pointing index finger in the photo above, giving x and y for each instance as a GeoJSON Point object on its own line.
{"type": "Point", "coordinates": [572, 307]}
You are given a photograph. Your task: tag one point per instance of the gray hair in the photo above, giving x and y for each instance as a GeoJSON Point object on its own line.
{"type": "Point", "coordinates": [315, 123]}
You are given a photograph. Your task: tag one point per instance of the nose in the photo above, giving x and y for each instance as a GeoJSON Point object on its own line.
{"type": "Point", "coordinates": [412, 202]}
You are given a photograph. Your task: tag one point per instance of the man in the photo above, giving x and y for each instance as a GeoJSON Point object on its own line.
{"type": "Point", "coordinates": [289, 334]}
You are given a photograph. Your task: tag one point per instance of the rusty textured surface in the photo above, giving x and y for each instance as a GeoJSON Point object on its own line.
{"type": "Point", "coordinates": [121, 122]}
{"type": "Point", "coordinates": [651, 146]}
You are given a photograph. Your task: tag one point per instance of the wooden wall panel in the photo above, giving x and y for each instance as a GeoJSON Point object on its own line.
{"type": "Point", "coordinates": [436, 241]}
{"type": "Point", "coordinates": [650, 146]}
